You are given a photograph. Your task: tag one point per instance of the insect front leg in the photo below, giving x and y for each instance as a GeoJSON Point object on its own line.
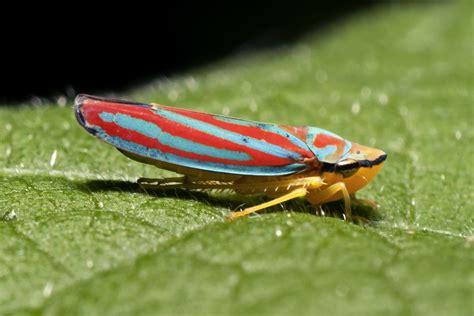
{"type": "Point", "coordinates": [320, 197]}
{"type": "Point", "coordinates": [363, 202]}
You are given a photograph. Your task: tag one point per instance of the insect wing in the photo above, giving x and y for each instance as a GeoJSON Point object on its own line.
{"type": "Point", "coordinates": [194, 139]}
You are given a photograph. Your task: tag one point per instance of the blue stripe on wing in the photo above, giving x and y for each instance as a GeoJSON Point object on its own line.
{"type": "Point", "coordinates": [247, 141]}
{"type": "Point", "coordinates": [267, 127]}
{"type": "Point", "coordinates": [153, 131]}
{"type": "Point", "coordinates": [209, 166]}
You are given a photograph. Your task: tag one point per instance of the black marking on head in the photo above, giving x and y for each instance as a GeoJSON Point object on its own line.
{"type": "Point", "coordinates": [331, 167]}
{"type": "Point", "coordinates": [378, 161]}
{"type": "Point", "coordinates": [349, 166]}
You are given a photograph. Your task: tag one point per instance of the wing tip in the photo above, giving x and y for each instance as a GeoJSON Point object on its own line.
{"type": "Point", "coordinates": [79, 102]}
{"type": "Point", "coordinates": [85, 100]}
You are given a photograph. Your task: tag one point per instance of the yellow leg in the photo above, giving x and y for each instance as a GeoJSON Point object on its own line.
{"type": "Point", "coordinates": [363, 202]}
{"type": "Point", "coordinates": [161, 184]}
{"type": "Point", "coordinates": [324, 195]}
{"type": "Point", "coordinates": [292, 195]}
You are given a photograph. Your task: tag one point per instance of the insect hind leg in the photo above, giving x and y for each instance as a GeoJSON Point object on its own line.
{"type": "Point", "coordinates": [300, 192]}
{"type": "Point", "coordinates": [185, 182]}
{"type": "Point", "coordinates": [162, 184]}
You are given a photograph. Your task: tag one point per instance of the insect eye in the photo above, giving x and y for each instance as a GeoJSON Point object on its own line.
{"type": "Point", "coordinates": [347, 167]}
{"type": "Point", "coordinates": [348, 172]}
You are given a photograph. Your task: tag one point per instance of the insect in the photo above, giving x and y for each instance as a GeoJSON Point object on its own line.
{"type": "Point", "coordinates": [219, 152]}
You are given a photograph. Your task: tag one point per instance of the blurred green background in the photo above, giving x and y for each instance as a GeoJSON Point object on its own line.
{"type": "Point", "coordinates": [78, 236]}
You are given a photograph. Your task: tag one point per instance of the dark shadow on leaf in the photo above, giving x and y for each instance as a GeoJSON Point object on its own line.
{"type": "Point", "coordinates": [233, 201]}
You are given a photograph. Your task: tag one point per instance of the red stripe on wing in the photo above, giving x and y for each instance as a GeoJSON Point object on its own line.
{"type": "Point", "coordinates": [251, 131]}
{"type": "Point", "coordinates": [92, 112]}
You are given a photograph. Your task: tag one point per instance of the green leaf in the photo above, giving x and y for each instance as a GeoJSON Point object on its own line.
{"type": "Point", "coordinates": [79, 237]}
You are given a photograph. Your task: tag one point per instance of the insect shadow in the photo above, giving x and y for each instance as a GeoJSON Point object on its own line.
{"type": "Point", "coordinates": [234, 202]}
